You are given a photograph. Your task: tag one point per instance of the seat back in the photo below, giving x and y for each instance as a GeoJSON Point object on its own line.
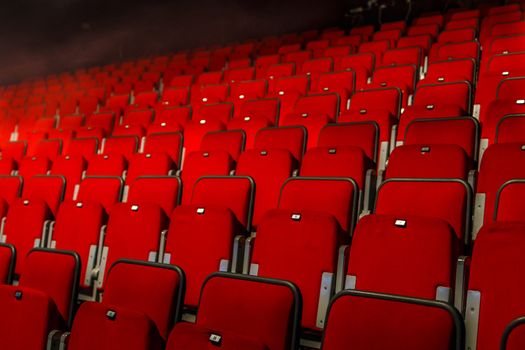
{"type": "Point", "coordinates": [494, 299]}
{"type": "Point", "coordinates": [157, 290]}
{"type": "Point", "coordinates": [57, 274]}
{"type": "Point", "coordinates": [250, 312]}
{"type": "Point", "coordinates": [447, 199]}
{"type": "Point", "coordinates": [286, 240]}
{"type": "Point", "coordinates": [362, 320]}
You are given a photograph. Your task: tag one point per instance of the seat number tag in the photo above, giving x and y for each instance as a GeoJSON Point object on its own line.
{"type": "Point", "coordinates": [215, 339]}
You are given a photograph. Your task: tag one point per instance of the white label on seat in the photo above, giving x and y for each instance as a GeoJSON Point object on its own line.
{"type": "Point", "coordinates": [475, 111]}
{"type": "Point", "coordinates": [37, 243]}
{"type": "Point", "coordinates": [350, 282]}
{"type": "Point", "coordinates": [520, 102]}
{"type": "Point", "coordinates": [400, 223]}
{"type": "Point", "coordinates": [152, 256]}
{"type": "Point", "coordinates": [224, 265]}
{"type": "Point", "coordinates": [254, 269]}
{"type": "Point", "coordinates": [167, 258]}
{"type": "Point", "coordinates": [443, 294]}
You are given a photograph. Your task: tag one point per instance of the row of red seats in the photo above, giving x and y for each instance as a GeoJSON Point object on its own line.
{"type": "Point", "coordinates": [143, 301]}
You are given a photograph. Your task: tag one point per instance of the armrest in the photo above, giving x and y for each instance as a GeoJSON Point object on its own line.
{"type": "Point", "coordinates": [341, 268]}
{"type": "Point", "coordinates": [462, 274]}
{"type": "Point", "coordinates": [238, 254]}
{"type": "Point", "coordinates": [57, 340]}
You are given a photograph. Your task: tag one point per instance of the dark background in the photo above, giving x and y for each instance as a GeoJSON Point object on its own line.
{"type": "Point", "coordinates": [39, 37]}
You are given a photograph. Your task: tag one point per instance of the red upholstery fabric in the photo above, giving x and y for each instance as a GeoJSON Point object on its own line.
{"type": "Point", "coordinates": [133, 232]}
{"type": "Point", "coordinates": [160, 190]}
{"type": "Point", "coordinates": [346, 161]}
{"type": "Point", "coordinates": [247, 314]}
{"type": "Point", "coordinates": [402, 56]}
{"type": "Point", "coordinates": [125, 146]}
{"type": "Point", "coordinates": [197, 242]}
{"type": "Point", "coordinates": [169, 143]}
{"type": "Point", "coordinates": [498, 246]}
{"type": "Point", "coordinates": [148, 164]}
{"type": "Point", "coordinates": [31, 166]}
{"type": "Point", "coordinates": [24, 224]}
{"type": "Point", "coordinates": [455, 94]}
{"type": "Point", "coordinates": [232, 141]}
{"type": "Point", "coordinates": [55, 274]}
{"type": "Point", "coordinates": [77, 228]}
{"type": "Point", "coordinates": [216, 112]}
{"type": "Point", "coordinates": [232, 192]}
{"type": "Point", "coordinates": [261, 108]}
{"type": "Point", "coordinates": [325, 104]}
{"type": "Point", "coordinates": [138, 117]}
{"type": "Point", "coordinates": [455, 131]}
{"type": "Point", "coordinates": [364, 135]}
{"type": "Point", "coordinates": [26, 323]}
{"type": "Point", "coordinates": [199, 164]}
{"type": "Point", "coordinates": [7, 166]}
{"type": "Point", "coordinates": [6, 261]}
{"type": "Point", "coordinates": [332, 196]}
{"type": "Point", "coordinates": [428, 241]}
{"type": "Point", "coordinates": [510, 203]}
{"type": "Point", "coordinates": [104, 121]}
{"type": "Point", "coordinates": [186, 336]}
{"type": "Point", "coordinates": [428, 161]}
{"type": "Point", "coordinates": [291, 139]}
{"type": "Point", "coordinates": [498, 112]}
{"type": "Point", "coordinates": [269, 169]}
{"type": "Point", "coordinates": [71, 168]}
{"type": "Point", "coordinates": [363, 65]}
{"type": "Point", "coordinates": [195, 130]}
{"type": "Point", "coordinates": [388, 99]}
{"type": "Point", "coordinates": [106, 191]}
{"type": "Point", "coordinates": [284, 250]}
{"type": "Point", "coordinates": [446, 200]}
{"type": "Point", "coordinates": [130, 329]}
{"type": "Point", "coordinates": [373, 324]}
{"type": "Point", "coordinates": [500, 163]}
{"type": "Point", "coordinates": [86, 147]}
{"type": "Point", "coordinates": [10, 188]}
{"type": "Point", "coordinates": [50, 189]}
{"type": "Point", "coordinates": [107, 165]}
{"type": "Point", "coordinates": [47, 148]}
{"type": "Point", "coordinates": [451, 71]}
{"type": "Point", "coordinates": [150, 289]}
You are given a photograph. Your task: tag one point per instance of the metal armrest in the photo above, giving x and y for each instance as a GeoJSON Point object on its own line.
{"type": "Point", "coordinates": [341, 268]}
{"type": "Point", "coordinates": [462, 273]}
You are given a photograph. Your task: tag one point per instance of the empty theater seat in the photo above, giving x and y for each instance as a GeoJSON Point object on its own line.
{"type": "Point", "coordinates": [493, 288]}
{"type": "Point", "coordinates": [209, 191]}
{"type": "Point", "coordinates": [228, 308]}
{"type": "Point", "coordinates": [336, 196]}
{"type": "Point", "coordinates": [268, 169]}
{"type": "Point", "coordinates": [200, 241]}
{"type": "Point", "coordinates": [136, 312]}
{"type": "Point", "coordinates": [43, 301]}
{"type": "Point", "coordinates": [133, 232]}
{"type": "Point", "coordinates": [295, 231]}
{"type": "Point", "coordinates": [447, 199]}
{"type": "Point", "coordinates": [361, 320]}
